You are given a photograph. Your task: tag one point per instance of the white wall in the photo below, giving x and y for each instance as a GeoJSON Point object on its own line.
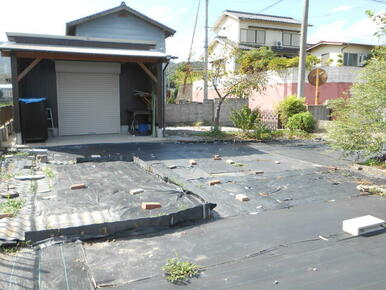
{"type": "Point", "coordinates": [230, 29]}
{"type": "Point", "coordinates": [223, 51]}
{"type": "Point", "coordinates": [335, 50]}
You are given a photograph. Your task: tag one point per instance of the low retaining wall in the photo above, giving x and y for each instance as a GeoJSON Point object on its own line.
{"type": "Point", "coordinates": [192, 112]}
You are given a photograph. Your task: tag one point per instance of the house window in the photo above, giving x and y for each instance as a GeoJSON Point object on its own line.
{"type": "Point", "coordinates": [350, 59]}
{"type": "Point", "coordinates": [291, 39]}
{"type": "Point", "coordinates": [325, 58]}
{"type": "Point", "coordinates": [252, 36]}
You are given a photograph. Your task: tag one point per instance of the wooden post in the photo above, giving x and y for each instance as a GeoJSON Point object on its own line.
{"type": "Point", "coordinates": [15, 93]}
{"type": "Point", "coordinates": [317, 87]}
{"type": "Point", "coordinates": [159, 93]}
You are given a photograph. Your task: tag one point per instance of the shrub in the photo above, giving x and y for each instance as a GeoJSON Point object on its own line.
{"type": "Point", "coordinates": [360, 121]}
{"type": "Point", "coordinates": [261, 132]}
{"type": "Point", "coordinates": [245, 118]}
{"type": "Point", "coordinates": [178, 271]}
{"type": "Point", "coordinates": [301, 121]}
{"type": "Point", "coordinates": [290, 106]}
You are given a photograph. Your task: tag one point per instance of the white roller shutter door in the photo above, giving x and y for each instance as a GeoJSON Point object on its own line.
{"type": "Point", "coordinates": [88, 98]}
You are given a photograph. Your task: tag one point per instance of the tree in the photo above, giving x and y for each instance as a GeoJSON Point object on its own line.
{"type": "Point", "coordinates": [360, 125]}
{"type": "Point", "coordinates": [250, 74]}
{"type": "Point", "coordinates": [235, 83]}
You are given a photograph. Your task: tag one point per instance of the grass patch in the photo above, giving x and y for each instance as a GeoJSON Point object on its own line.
{"type": "Point", "coordinates": [373, 162]}
{"type": "Point", "coordinates": [216, 135]}
{"type": "Point", "coordinates": [180, 272]}
{"type": "Point", "coordinates": [12, 206]}
{"type": "Point", "coordinates": [49, 172]}
{"type": "Point", "coordinates": [21, 154]}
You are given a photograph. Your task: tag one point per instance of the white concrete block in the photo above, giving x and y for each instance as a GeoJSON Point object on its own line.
{"type": "Point", "coordinates": [136, 191]}
{"type": "Point", "coordinates": [362, 225]}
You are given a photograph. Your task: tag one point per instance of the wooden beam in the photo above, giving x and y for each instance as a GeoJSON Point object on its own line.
{"type": "Point", "coordinates": [84, 57]}
{"type": "Point", "coordinates": [148, 72]}
{"type": "Point", "coordinates": [15, 93]}
{"type": "Point", "coordinates": [28, 69]}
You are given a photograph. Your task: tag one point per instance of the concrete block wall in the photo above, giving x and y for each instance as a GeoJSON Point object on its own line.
{"type": "Point", "coordinates": [192, 112]}
{"type": "Point", "coordinates": [188, 113]}
{"type": "Point", "coordinates": [227, 107]}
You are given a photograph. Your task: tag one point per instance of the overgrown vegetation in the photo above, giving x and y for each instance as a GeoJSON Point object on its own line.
{"type": "Point", "coordinates": [361, 120]}
{"type": "Point", "coordinates": [48, 172]}
{"type": "Point", "coordinates": [245, 118]}
{"type": "Point", "coordinates": [301, 121]}
{"type": "Point", "coordinates": [177, 271]}
{"type": "Point", "coordinates": [264, 59]}
{"type": "Point", "coordinates": [374, 162]}
{"type": "Point", "coordinates": [290, 106]}
{"type": "Point", "coordinates": [12, 206]}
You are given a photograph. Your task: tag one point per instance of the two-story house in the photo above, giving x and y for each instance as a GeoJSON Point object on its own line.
{"type": "Point", "coordinates": [103, 76]}
{"type": "Point", "coordinates": [246, 31]}
{"type": "Point", "coordinates": [332, 53]}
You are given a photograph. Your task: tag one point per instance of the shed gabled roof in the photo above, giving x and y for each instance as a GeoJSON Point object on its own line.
{"type": "Point", "coordinates": [70, 26]}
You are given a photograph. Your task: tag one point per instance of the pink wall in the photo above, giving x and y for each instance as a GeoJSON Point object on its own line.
{"type": "Point", "coordinates": [273, 94]}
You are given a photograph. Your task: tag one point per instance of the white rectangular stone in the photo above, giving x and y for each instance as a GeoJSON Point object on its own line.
{"type": "Point", "coordinates": [136, 191]}
{"type": "Point", "coordinates": [242, 197]}
{"type": "Point", "coordinates": [362, 225]}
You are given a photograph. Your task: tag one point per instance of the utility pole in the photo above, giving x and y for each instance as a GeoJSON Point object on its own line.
{"type": "Point", "coordinates": [206, 51]}
{"type": "Point", "coordinates": [302, 51]}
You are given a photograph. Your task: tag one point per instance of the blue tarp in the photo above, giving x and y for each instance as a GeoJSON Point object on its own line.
{"type": "Point", "coordinates": [32, 100]}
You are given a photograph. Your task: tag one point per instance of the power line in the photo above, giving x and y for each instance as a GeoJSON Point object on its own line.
{"type": "Point", "coordinates": [270, 6]}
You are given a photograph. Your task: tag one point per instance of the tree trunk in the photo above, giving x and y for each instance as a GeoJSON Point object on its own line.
{"type": "Point", "coordinates": [216, 124]}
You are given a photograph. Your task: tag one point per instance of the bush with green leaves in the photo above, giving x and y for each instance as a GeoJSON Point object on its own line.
{"type": "Point", "coordinates": [245, 118]}
{"type": "Point", "coordinates": [261, 132]}
{"type": "Point", "coordinates": [301, 121]}
{"type": "Point", "coordinates": [360, 121]}
{"type": "Point", "coordinates": [290, 106]}
{"type": "Point", "coordinates": [178, 271]}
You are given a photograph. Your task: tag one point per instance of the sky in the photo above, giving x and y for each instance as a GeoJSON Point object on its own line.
{"type": "Point", "coordinates": [332, 20]}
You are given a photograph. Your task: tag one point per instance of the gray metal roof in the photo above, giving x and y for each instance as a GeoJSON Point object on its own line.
{"type": "Point", "coordinates": [70, 26]}
{"type": "Point", "coordinates": [82, 50]}
{"type": "Point", "coordinates": [12, 35]}
{"type": "Point", "coordinates": [264, 17]}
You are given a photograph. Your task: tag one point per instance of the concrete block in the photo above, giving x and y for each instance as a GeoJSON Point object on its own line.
{"type": "Point", "coordinates": [277, 162]}
{"type": "Point", "coordinates": [242, 197]}
{"type": "Point", "coordinates": [42, 158]}
{"type": "Point", "coordinates": [38, 151]}
{"type": "Point", "coordinates": [150, 205]}
{"type": "Point", "coordinates": [362, 225]}
{"type": "Point", "coordinates": [78, 186]}
{"type": "Point", "coordinates": [136, 191]}
{"type": "Point", "coordinates": [192, 162]}
{"type": "Point", "coordinates": [230, 161]}
{"type": "Point", "coordinates": [172, 166]}
{"type": "Point", "coordinates": [213, 182]}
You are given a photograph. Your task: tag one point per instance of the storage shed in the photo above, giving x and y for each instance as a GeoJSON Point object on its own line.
{"type": "Point", "coordinates": [107, 70]}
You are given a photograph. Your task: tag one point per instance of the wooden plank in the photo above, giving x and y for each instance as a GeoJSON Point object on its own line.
{"type": "Point", "coordinates": [148, 72]}
{"type": "Point", "coordinates": [15, 92]}
{"type": "Point", "coordinates": [28, 69]}
{"type": "Point", "coordinates": [84, 57]}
